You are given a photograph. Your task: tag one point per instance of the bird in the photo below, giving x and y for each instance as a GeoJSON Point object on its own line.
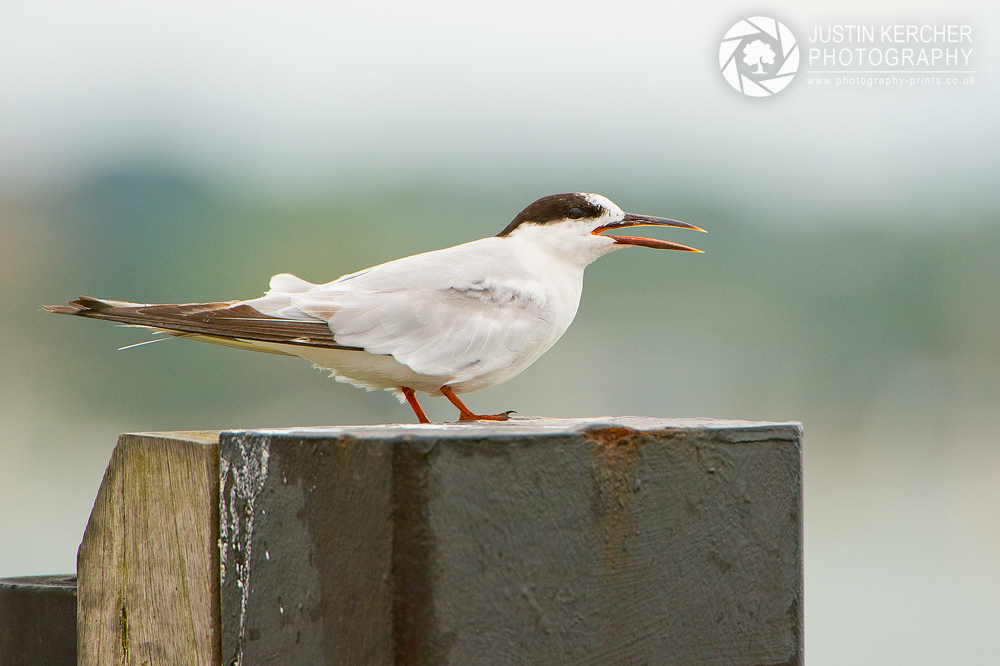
{"type": "Point", "coordinates": [445, 322]}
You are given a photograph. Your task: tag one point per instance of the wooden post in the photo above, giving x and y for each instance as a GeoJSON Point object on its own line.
{"type": "Point", "coordinates": [148, 565]}
{"type": "Point", "coordinates": [555, 541]}
{"type": "Point", "coordinates": [38, 621]}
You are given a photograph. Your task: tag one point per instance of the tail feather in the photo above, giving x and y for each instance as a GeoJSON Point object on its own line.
{"type": "Point", "coordinates": [227, 321]}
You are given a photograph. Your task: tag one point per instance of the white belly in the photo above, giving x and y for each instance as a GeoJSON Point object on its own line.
{"type": "Point", "coordinates": [364, 370]}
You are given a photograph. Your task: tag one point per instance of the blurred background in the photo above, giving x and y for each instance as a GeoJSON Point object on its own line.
{"type": "Point", "coordinates": [186, 151]}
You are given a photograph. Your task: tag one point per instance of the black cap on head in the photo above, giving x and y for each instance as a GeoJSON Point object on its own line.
{"type": "Point", "coordinates": [555, 207]}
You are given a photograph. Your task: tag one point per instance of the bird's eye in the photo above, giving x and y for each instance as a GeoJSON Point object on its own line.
{"type": "Point", "coordinates": [575, 213]}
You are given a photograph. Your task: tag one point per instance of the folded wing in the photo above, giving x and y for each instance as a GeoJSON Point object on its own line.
{"type": "Point", "coordinates": [225, 320]}
{"type": "Point", "coordinates": [437, 312]}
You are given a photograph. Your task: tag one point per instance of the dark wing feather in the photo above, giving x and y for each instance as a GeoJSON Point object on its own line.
{"type": "Point", "coordinates": [222, 320]}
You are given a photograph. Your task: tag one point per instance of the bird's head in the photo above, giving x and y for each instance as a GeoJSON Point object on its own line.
{"type": "Point", "coordinates": [571, 225]}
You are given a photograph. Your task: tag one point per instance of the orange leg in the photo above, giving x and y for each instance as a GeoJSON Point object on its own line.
{"type": "Point", "coordinates": [412, 399]}
{"type": "Point", "coordinates": [467, 415]}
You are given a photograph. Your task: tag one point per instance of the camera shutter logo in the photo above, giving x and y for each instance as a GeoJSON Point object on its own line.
{"type": "Point", "coordinates": [759, 56]}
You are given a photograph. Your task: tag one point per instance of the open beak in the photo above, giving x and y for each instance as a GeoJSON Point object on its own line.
{"type": "Point", "coordinates": [631, 220]}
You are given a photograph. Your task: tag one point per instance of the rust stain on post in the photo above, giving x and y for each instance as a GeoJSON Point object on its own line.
{"type": "Point", "coordinates": [343, 451]}
{"type": "Point", "coordinates": [616, 458]}
{"type": "Point", "coordinates": [614, 468]}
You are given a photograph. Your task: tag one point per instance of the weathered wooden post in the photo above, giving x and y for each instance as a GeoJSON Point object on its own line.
{"type": "Point", "coordinates": [147, 570]}
{"type": "Point", "coordinates": [605, 541]}
{"type": "Point", "coordinates": [38, 621]}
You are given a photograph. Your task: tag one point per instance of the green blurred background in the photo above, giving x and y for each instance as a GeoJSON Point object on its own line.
{"type": "Point", "coordinates": [178, 152]}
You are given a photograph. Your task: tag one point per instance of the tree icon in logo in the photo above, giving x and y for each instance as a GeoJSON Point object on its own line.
{"type": "Point", "coordinates": [759, 40]}
{"type": "Point", "coordinates": [756, 52]}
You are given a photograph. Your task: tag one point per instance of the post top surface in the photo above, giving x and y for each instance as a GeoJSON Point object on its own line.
{"type": "Point", "coordinates": [531, 426]}
{"type": "Point", "coordinates": [197, 436]}
{"type": "Point", "coordinates": [39, 583]}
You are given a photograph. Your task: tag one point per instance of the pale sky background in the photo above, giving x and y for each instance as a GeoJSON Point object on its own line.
{"type": "Point", "coordinates": [290, 101]}
{"type": "Point", "coordinates": [293, 95]}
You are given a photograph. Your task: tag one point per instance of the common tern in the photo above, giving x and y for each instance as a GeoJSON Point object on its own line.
{"type": "Point", "coordinates": [445, 322]}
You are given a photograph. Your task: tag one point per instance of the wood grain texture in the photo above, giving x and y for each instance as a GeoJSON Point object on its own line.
{"type": "Point", "coordinates": [148, 564]}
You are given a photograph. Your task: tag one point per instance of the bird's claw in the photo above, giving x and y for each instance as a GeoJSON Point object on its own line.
{"type": "Point", "coordinates": [502, 416]}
